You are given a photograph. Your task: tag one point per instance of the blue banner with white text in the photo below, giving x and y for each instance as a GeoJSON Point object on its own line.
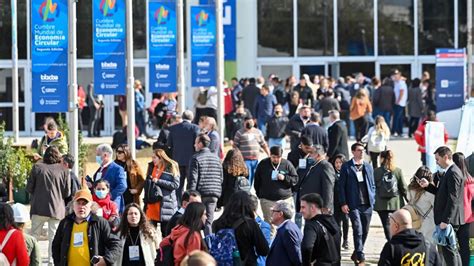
{"type": "Point", "coordinates": [49, 58]}
{"type": "Point", "coordinates": [203, 46]}
{"type": "Point", "coordinates": [162, 26]}
{"type": "Point", "coordinates": [109, 37]}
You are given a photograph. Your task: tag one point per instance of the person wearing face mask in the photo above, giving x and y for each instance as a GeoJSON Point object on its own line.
{"type": "Point", "coordinates": [448, 205]}
{"type": "Point", "coordinates": [276, 126]}
{"type": "Point", "coordinates": [249, 140]}
{"type": "Point", "coordinates": [112, 172]}
{"type": "Point", "coordinates": [107, 207]}
{"type": "Point", "coordinates": [296, 125]}
{"type": "Point", "coordinates": [139, 238]}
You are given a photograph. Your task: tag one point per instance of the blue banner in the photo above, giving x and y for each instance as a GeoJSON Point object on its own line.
{"type": "Point", "coordinates": [229, 20]}
{"type": "Point", "coordinates": [203, 46]}
{"type": "Point", "coordinates": [162, 45]}
{"type": "Point", "coordinates": [49, 47]}
{"type": "Point", "coordinates": [109, 36]}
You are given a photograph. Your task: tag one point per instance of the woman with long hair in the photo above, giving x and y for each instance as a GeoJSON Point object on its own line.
{"type": "Point", "coordinates": [233, 168]}
{"type": "Point", "coordinates": [390, 189]}
{"type": "Point", "coordinates": [139, 239]}
{"type": "Point", "coordinates": [15, 246]}
{"type": "Point", "coordinates": [186, 236]}
{"type": "Point", "coordinates": [423, 201]}
{"type": "Point", "coordinates": [162, 173]}
{"type": "Point", "coordinates": [377, 139]}
{"type": "Point", "coordinates": [337, 161]}
{"type": "Point", "coordinates": [135, 176]}
{"type": "Point", "coordinates": [360, 108]}
{"type": "Point", "coordinates": [238, 214]}
{"type": "Point", "coordinates": [463, 231]}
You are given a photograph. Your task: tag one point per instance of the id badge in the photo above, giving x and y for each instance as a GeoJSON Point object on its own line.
{"type": "Point", "coordinates": [133, 253]}
{"type": "Point", "coordinates": [360, 176]}
{"type": "Point", "coordinates": [98, 176]}
{"type": "Point", "coordinates": [302, 164]}
{"type": "Point", "coordinates": [275, 175]}
{"type": "Point", "coordinates": [78, 239]}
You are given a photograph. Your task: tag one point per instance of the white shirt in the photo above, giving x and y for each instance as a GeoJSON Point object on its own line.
{"type": "Point", "coordinates": [284, 222]}
{"type": "Point", "coordinates": [401, 86]}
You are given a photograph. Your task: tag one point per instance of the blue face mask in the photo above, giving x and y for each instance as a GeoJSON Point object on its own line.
{"type": "Point", "coordinates": [311, 161]}
{"type": "Point", "coordinates": [98, 159]}
{"type": "Point", "coordinates": [440, 169]}
{"type": "Point", "coordinates": [101, 194]}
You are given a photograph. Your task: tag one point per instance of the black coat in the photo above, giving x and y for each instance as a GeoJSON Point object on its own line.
{"type": "Point", "coordinates": [205, 174]}
{"type": "Point", "coordinates": [249, 95]}
{"type": "Point", "coordinates": [338, 140]}
{"type": "Point", "coordinates": [408, 244]}
{"type": "Point", "coordinates": [274, 190]}
{"type": "Point", "coordinates": [320, 179]}
{"type": "Point", "coordinates": [384, 98]}
{"type": "Point", "coordinates": [181, 141]}
{"type": "Point", "coordinates": [172, 223]}
{"type": "Point", "coordinates": [315, 246]}
{"type": "Point", "coordinates": [101, 240]}
{"type": "Point", "coordinates": [449, 205]}
{"type": "Point", "coordinates": [293, 129]}
{"type": "Point", "coordinates": [168, 185]}
{"type": "Point", "coordinates": [276, 127]}
{"type": "Point", "coordinates": [318, 134]}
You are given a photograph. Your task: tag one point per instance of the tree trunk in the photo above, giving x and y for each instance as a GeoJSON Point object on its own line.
{"type": "Point", "coordinates": [10, 189]}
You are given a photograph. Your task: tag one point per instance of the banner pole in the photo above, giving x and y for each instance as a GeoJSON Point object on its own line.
{"type": "Point", "coordinates": [180, 55]}
{"type": "Point", "coordinates": [220, 69]}
{"type": "Point", "coordinates": [16, 127]}
{"type": "Point", "coordinates": [130, 81]}
{"type": "Point", "coordinates": [72, 67]}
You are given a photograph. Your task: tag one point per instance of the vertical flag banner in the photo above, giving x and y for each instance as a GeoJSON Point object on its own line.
{"type": "Point", "coordinates": [49, 47]}
{"type": "Point", "coordinates": [203, 46]}
{"type": "Point", "coordinates": [109, 34]}
{"type": "Point", "coordinates": [162, 28]}
{"type": "Point", "coordinates": [450, 87]}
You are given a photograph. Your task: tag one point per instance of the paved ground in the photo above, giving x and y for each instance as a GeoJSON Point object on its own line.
{"type": "Point", "coordinates": [407, 159]}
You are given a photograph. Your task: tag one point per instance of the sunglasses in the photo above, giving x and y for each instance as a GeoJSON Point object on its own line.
{"type": "Point", "coordinates": [120, 152]}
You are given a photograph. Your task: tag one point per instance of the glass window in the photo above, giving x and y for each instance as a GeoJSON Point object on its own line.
{"type": "Point", "coordinates": [281, 71]}
{"type": "Point", "coordinates": [436, 25]}
{"type": "Point", "coordinates": [315, 27]}
{"type": "Point", "coordinates": [355, 27]}
{"type": "Point", "coordinates": [6, 85]}
{"type": "Point", "coordinates": [84, 29]}
{"type": "Point", "coordinates": [312, 70]}
{"type": "Point", "coordinates": [396, 23]}
{"type": "Point", "coordinates": [6, 115]}
{"type": "Point", "coordinates": [275, 28]}
{"type": "Point", "coordinates": [350, 69]}
{"type": "Point", "coordinates": [386, 70]}
{"type": "Point", "coordinates": [139, 28]}
{"type": "Point", "coordinates": [462, 27]}
{"type": "Point", "coordinates": [6, 30]}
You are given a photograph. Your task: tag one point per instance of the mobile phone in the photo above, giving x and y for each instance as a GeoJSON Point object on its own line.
{"type": "Point", "coordinates": [95, 259]}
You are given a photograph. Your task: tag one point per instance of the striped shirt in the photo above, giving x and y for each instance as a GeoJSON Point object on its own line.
{"type": "Point", "coordinates": [249, 142]}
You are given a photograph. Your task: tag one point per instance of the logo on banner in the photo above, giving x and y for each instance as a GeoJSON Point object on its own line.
{"type": "Point", "coordinates": [202, 18]}
{"type": "Point", "coordinates": [48, 11]}
{"type": "Point", "coordinates": [106, 6]}
{"type": "Point", "coordinates": [162, 15]}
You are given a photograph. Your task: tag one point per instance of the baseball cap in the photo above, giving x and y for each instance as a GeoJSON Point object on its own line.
{"type": "Point", "coordinates": [84, 194]}
{"type": "Point", "coordinates": [20, 213]}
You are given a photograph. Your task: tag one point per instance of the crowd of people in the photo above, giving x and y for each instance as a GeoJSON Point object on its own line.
{"type": "Point", "coordinates": [166, 215]}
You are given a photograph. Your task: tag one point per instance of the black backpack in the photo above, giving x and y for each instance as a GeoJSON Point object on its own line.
{"type": "Point", "coordinates": [242, 183]}
{"type": "Point", "coordinates": [388, 186]}
{"type": "Point", "coordinates": [331, 246]}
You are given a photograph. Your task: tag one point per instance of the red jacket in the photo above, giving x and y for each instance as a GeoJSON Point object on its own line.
{"type": "Point", "coordinates": [15, 248]}
{"type": "Point", "coordinates": [178, 236]}
{"type": "Point", "coordinates": [109, 208]}
{"type": "Point", "coordinates": [420, 136]}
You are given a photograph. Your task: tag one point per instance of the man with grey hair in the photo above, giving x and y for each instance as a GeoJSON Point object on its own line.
{"type": "Point", "coordinates": [286, 247]}
{"type": "Point", "coordinates": [320, 179]}
{"type": "Point", "coordinates": [112, 172]}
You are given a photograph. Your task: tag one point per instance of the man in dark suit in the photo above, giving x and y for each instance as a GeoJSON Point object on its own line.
{"type": "Point", "coordinates": [296, 125]}
{"type": "Point", "coordinates": [317, 133]}
{"type": "Point", "coordinates": [286, 246]}
{"type": "Point", "coordinates": [181, 142]}
{"type": "Point", "coordinates": [249, 95]}
{"type": "Point", "coordinates": [357, 198]}
{"type": "Point", "coordinates": [448, 205]}
{"type": "Point", "coordinates": [337, 133]}
{"type": "Point", "coordinates": [319, 179]}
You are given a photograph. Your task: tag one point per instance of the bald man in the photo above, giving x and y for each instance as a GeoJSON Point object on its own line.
{"type": "Point", "coordinates": [407, 246]}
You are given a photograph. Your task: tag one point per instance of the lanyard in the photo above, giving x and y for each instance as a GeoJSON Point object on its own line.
{"type": "Point", "coordinates": [276, 168]}
{"type": "Point", "coordinates": [134, 243]}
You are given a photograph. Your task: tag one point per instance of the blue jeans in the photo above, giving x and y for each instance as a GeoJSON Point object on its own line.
{"type": "Point", "coordinates": [280, 142]}
{"type": "Point", "coordinates": [251, 166]}
{"type": "Point", "coordinates": [397, 125]}
{"type": "Point", "coordinates": [360, 219]}
{"type": "Point", "coordinates": [262, 125]}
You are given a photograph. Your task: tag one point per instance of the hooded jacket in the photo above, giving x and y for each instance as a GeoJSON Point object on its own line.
{"type": "Point", "coordinates": [181, 249]}
{"type": "Point", "coordinates": [318, 248]}
{"type": "Point", "coordinates": [409, 245]}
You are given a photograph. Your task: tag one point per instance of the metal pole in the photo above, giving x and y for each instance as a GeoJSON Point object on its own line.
{"type": "Point", "coordinates": [180, 55]}
{"type": "Point", "coordinates": [72, 67]}
{"type": "Point", "coordinates": [220, 68]}
{"type": "Point", "coordinates": [16, 126]}
{"type": "Point", "coordinates": [130, 81]}
{"type": "Point", "coordinates": [469, 48]}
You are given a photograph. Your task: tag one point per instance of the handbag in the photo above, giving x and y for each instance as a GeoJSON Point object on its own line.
{"type": "Point", "coordinates": [153, 193]}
